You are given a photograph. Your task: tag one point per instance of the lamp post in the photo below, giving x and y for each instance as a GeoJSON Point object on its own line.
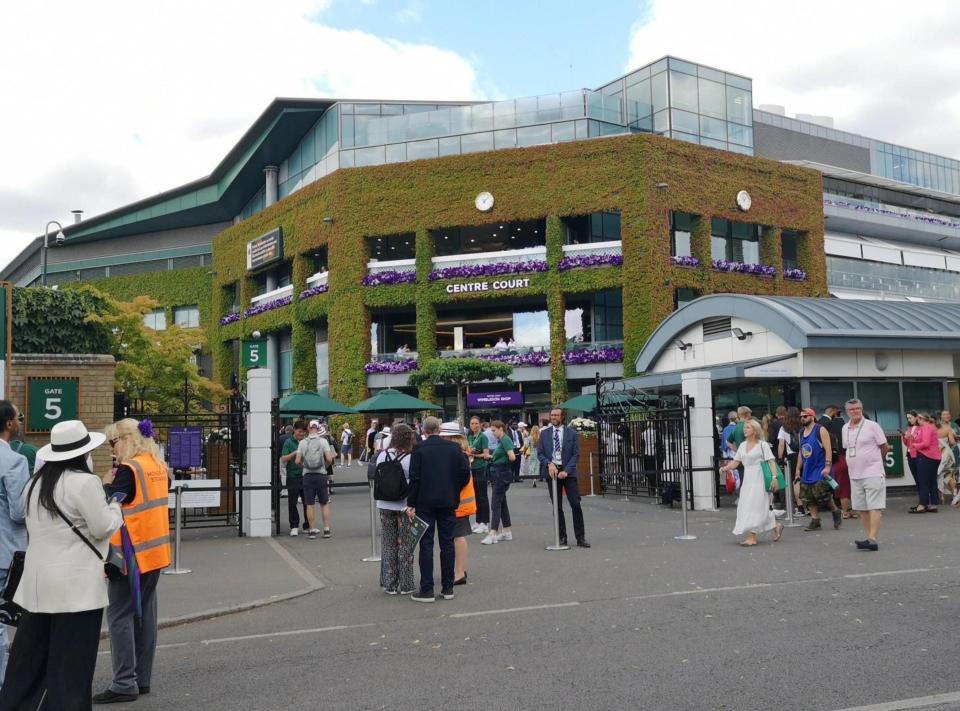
{"type": "Point", "coordinates": [46, 236]}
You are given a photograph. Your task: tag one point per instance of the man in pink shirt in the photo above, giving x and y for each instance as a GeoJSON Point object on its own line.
{"type": "Point", "coordinates": [866, 445]}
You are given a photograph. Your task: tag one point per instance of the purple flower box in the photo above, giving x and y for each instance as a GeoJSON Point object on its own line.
{"type": "Point", "coordinates": [230, 318]}
{"type": "Point", "coordinates": [723, 265]}
{"type": "Point", "coordinates": [495, 269]}
{"type": "Point", "coordinates": [391, 277]}
{"type": "Point", "coordinates": [269, 306]}
{"type": "Point", "coordinates": [795, 274]}
{"type": "Point", "coordinates": [590, 260]}
{"type": "Point", "coordinates": [606, 354]}
{"type": "Point", "coordinates": [685, 261]}
{"type": "Point", "coordinates": [390, 366]}
{"type": "Point", "coordinates": [533, 358]}
{"type": "Point", "coordinates": [313, 291]}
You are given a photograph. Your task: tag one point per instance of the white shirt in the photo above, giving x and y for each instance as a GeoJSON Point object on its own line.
{"type": "Point", "coordinates": [405, 463]}
{"type": "Point", "coordinates": [557, 453]}
{"type": "Point", "coordinates": [345, 437]}
{"type": "Point", "coordinates": [784, 436]}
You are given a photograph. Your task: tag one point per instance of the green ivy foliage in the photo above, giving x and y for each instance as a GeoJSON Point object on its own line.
{"type": "Point", "coordinates": [55, 321]}
{"type": "Point", "coordinates": [179, 287]}
{"type": "Point", "coordinates": [552, 182]}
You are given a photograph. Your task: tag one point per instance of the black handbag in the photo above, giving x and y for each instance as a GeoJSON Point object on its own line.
{"type": "Point", "coordinates": [112, 571]}
{"type": "Point", "coordinates": [10, 612]}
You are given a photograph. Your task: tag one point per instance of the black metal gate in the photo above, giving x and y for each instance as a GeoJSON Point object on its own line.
{"type": "Point", "coordinates": [207, 450]}
{"type": "Point", "coordinates": [644, 444]}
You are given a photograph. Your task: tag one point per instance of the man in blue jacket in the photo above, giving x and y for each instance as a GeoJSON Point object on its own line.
{"type": "Point", "coordinates": [438, 471]}
{"type": "Point", "coordinates": [559, 450]}
{"type": "Point", "coordinates": [13, 477]}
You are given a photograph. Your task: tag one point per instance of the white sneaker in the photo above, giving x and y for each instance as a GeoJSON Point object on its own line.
{"type": "Point", "coordinates": [779, 513]}
{"type": "Point", "coordinates": [314, 531]}
{"type": "Point", "coordinates": [490, 539]}
{"type": "Point", "coordinates": [476, 527]}
{"type": "Point", "coordinates": [506, 536]}
{"type": "Point", "coordinates": [294, 532]}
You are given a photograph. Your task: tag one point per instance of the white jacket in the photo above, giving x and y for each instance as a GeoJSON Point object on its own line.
{"type": "Point", "coordinates": [61, 573]}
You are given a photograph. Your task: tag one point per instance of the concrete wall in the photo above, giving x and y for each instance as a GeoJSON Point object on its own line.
{"type": "Point", "coordinates": [136, 244]}
{"type": "Point", "coordinates": [95, 403]}
{"type": "Point", "coordinates": [762, 344]}
{"type": "Point", "coordinates": [783, 144]}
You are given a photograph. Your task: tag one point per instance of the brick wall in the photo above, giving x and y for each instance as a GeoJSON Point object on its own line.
{"type": "Point", "coordinates": [95, 402]}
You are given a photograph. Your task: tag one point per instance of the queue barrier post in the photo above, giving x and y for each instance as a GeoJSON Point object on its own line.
{"type": "Point", "coordinates": [374, 556]}
{"type": "Point", "coordinates": [177, 521]}
{"type": "Point", "coordinates": [788, 477]}
{"type": "Point", "coordinates": [686, 535]}
{"type": "Point", "coordinates": [556, 520]}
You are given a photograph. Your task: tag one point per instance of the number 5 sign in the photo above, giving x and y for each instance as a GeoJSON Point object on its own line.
{"type": "Point", "coordinates": [49, 401]}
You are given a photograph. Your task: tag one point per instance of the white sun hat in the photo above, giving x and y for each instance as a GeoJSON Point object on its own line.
{"type": "Point", "coordinates": [69, 439]}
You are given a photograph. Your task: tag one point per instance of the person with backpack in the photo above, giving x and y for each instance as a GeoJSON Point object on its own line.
{"type": "Point", "coordinates": [788, 448]}
{"type": "Point", "coordinates": [315, 455]}
{"type": "Point", "coordinates": [391, 481]}
{"type": "Point", "coordinates": [813, 469]}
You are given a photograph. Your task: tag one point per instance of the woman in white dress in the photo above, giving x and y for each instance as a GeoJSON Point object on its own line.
{"type": "Point", "coordinates": [753, 510]}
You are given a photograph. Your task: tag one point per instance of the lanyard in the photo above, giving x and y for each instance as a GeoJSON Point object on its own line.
{"type": "Point", "coordinates": [857, 438]}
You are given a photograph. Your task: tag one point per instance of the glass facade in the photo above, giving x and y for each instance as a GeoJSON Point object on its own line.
{"type": "Point", "coordinates": [391, 247]}
{"type": "Point", "coordinates": [790, 241]}
{"type": "Point", "coordinates": [893, 279]}
{"type": "Point", "coordinates": [186, 316]}
{"type": "Point", "coordinates": [285, 364]}
{"type": "Point", "coordinates": [598, 227]}
{"type": "Point", "coordinates": [323, 356]}
{"type": "Point", "coordinates": [681, 227]}
{"type": "Point", "coordinates": [315, 155]}
{"type": "Point", "coordinates": [475, 239]}
{"type": "Point", "coordinates": [156, 319]}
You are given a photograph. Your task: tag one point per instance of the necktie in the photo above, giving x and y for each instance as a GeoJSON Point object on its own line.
{"type": "Point", "coordinates": [556, 440]}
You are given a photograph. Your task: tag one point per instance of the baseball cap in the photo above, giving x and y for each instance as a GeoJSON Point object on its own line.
{"type": "Point", "coordinates": [809, 412]}
{"type": "Point", "coordinates": [314, 424]}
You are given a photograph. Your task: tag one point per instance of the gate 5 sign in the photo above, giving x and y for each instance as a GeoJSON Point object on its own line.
{"type": "Point", "coordinates": [49, 401]}
{"type": "Point", "coordinates": [255, 354]}
{"type": "Point", "coordinates": [893, 462]}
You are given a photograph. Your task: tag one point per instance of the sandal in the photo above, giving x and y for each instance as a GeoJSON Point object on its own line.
{"type": "Point", "coordinates": [916, 509]}
{"type": "Point", "coordinates": [778, 532]}
{"type": "Point", "coordinates": [854, 514]}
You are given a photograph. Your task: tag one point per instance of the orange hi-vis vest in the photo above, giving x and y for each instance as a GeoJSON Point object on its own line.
{"type": "Point", "coordinates": [146, 516]}
{"type": "Point", "coordinates": [468, 501]}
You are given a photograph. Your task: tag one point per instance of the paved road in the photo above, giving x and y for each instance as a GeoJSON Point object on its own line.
{"type": "Point", "coordinates": [640, 620]}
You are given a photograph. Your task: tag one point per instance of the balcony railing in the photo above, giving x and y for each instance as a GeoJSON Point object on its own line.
{"type": "Point", "coordinates": [517, 356]}
{"type": "Point", "coordinates": [272, 295]}
{"type": "Point", "coordinates": [592, 254]}
{"type": "Point", "coordinates": [394, 271]}
{"type": "Point", "coordinates": [508, 256]}
{"type": "Point", "coordinates": [593, 352]}
{"type": "Point", "coordinates": [318, 279]}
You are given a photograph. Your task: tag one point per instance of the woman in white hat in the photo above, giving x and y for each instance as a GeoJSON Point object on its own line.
{"type": "Point", "coordinates": [467, 508]}
{"type": "Point", "coordinates": [63, 589]}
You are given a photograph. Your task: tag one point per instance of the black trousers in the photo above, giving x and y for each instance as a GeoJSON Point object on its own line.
{"type": "Point", "coordinates": [480, 479]}
{"type": "Point", "coordinates": [570, 485]}
{"type": "Point", "coordinates": [52, 661]}
{"type": "Point", "coordinates": [443, 521]}
{"type": "Point", "coordinates": [295, 493]}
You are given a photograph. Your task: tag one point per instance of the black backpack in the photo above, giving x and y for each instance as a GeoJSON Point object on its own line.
{"type": "Point", "coordinates": [389, 481]}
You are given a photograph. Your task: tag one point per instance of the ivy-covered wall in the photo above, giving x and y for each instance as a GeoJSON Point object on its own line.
{"type": "Point", "coordinates": [616, 173]}
{"type": "Point", "coordinates": [180, 287]}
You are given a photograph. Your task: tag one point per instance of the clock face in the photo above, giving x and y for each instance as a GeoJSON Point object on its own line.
{"type": "Point", "coordinates": [744, 201]}
{"type": "Point", "coordinates": [484, 202]}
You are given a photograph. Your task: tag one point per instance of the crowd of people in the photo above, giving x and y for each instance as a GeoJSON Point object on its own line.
{"type": "Point", "coordinates": [73, 543]}
{"type": "Point", "coordinates": [833, 464]}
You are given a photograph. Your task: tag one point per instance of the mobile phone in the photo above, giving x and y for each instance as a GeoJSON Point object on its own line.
{"type": "Point", "coordinates": [118, 496]}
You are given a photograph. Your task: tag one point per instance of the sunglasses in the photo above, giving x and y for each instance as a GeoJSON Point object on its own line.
{"type": "Point", "coordinates": [113, 442]}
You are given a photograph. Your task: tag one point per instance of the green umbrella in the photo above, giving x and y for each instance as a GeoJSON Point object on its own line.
{"type": "Point", "coordinates": [391, 400]}
{"type": "Point", "coordinates": [307, 402]}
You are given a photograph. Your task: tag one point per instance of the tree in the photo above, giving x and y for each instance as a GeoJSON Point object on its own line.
{"type": "Point", "coordinates": [459, 372]}
{"type": "Point", "coordinates": [156, 367]}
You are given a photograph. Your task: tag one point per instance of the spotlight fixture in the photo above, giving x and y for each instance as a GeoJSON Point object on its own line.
{"type": "Point", "coordinates": [740, 334]}
{"type": "Point", "coordinates": [681, 345]}
{"type": "Point", "coordinates": [662, 186]}
{"type": "Point", "coordinates": [328, 220]}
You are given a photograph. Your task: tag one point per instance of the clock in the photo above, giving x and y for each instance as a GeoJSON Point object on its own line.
{"type": "Point", "coordinates": [484, 202]}
{"type": "Point", "coordinates": [744, 201]}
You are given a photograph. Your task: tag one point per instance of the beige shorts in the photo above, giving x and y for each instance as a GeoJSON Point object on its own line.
{"type": "Point", "coordinates": [868, 494]}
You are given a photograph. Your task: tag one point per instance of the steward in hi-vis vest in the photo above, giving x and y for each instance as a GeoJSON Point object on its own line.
{"type": "Point", "coordinates": [468, 501]}
{"type": "Point", "coordinates": [146, 516]}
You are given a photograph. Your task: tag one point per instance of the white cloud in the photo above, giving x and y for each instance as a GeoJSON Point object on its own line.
{"type": "Point", "coordinates": [112, 101]}
{"type": "Point", "coordinates": [880, 69]}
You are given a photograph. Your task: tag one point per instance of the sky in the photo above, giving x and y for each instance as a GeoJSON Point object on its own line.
{"type": "Point", "coordinates": [107, 102]}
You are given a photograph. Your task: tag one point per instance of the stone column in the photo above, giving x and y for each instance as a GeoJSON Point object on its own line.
{"type": "Point", "coordinates": [273, 347]}
{"type": "Point", "coordinates": [257, 519]}
{"type": "Point", "coordinates": [271, 174]}
{"type": "Point", "coordinates": [698, 386]}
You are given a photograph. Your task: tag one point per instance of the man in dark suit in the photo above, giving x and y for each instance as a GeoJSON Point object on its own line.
{"type": "Point", "coordinates": [438, 471]}
{"type": "Point", "coordinates": [559, 450]}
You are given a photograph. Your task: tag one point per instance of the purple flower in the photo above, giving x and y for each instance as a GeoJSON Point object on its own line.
{"type": "Point", "coordinates": [494, 269]}
{"type": "Point", "coordinates": [269, 306]}
{"type": "Point", "coordinates": [757, 269]}
{"type": "Point", "coordinates": [313, 291]}
{"type": "Point", "coordinates": [531, 358]}
{"type": "Point", "coordinates": [389, 277]}
{"type": "Point", "coordinates": [390, 366]}
{"type": "Point", "coordinates": [230, 318]}
{"type": "Point", "coordinates": [795, 274]}
{"type": "Point", "coordinates": [146, 428]}
{"type": "Point", "coordinates": [685, 261]}
{"type": "Point", "coordinates": [590, 260]}
{"type": "Point", "coordinates": [604, 354]}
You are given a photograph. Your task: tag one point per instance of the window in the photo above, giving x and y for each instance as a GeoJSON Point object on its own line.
{"type": "Point", "coordinates": [608, 315]}
{"type": "Point", "coordinates": [597, 227]}
{"type": "Point", "coordinates": [231, 298]}
{"type": "Point", "coordinates": [681, 226]}
{"type": "Point", "coordinates": [186, 316]}
{"type": "Point", "coordinates": [323, 357]}
{"type": "Point", "coordinates": [156, 319]}
{"type": "Point", "coordinates": [317, 260]}
{"type": "Point", "coordinates": [285, 365]}
{"type": "Point", "coordinates": [922, 397]}
{"type": "Point", "coordinates": [830, 393]}
{"type": "Point", "coordinates": [392, 247]}
{"type": "Point", "coordinates": [881, 403]}
{"type": "Point", "coordinates": [790, 241]}
{"type": "Point", "coordinates": [682, 297]}
{"type": "Point", "coordinates": [734, 241]}
{"type": "Point", "coordinates": [496, 237]}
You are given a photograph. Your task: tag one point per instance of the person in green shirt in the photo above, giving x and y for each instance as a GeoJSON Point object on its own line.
{"type": "Point", "coordinates": [288, 456]}
{"type": "Point", "coordinates": [744, 413]}
{"type": "Point", "coordinates": [24, 448]}
{"type": "Point", "coordinates": [479, 461]}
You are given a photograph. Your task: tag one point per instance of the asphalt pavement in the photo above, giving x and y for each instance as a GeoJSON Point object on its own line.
{"type": "Point", "coordinates": [640, 620]}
